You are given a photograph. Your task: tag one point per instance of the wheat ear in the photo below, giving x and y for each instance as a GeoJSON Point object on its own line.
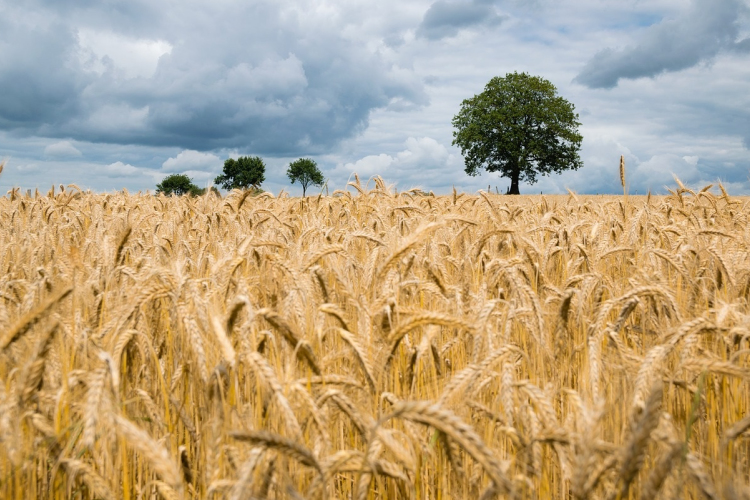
{"type": "Point", "coordinates": [304, 352]}
{"type": "Point", "coordinates": [31, 318]}
{"type": "Point", "coordinates": [660, 471]}
{"type": "Point", "coordinates": [737, 429]}
{"type": "Point", "coordinates": [94, 398]}
{"type": "Point", "coordinates": [699, 474]}
{"type": "Point", "coordinates": [152, 451]}
{"type": "Point", "coordinates": [361, 421]}
{"type": "Point", "coordinates": [421, 319]}
{"type": "Point", "coordinates": [281, 444]}
{"type": "Point", "coordinates": [361, 355]}
{"type": "Point", "coordinates": [264, 372]}
{"type": "Point", "coordinates": [340, 462]}
{"type": "Point", "coordinates": [427, 413]}
{"type": "Point", "coordinates": [243, 484]}
{"type": "Point", "coordinates": [32, 376]}
{"type": "Point", "coordinates": [634, 450]}
{"type": "Point", "coordinates": [95, 482]}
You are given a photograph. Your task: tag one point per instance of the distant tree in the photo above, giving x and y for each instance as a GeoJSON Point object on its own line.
{"type": "Point", "coordinates": [518, 127]}
{"type": "Point", "coordinates": [305, 171]}
{"type": "Point", "coordinates": [196, 191]}
{"type": "Point", "coordinates": [242, 173]}
{"type": "Point", "coordinates": [178, 184]}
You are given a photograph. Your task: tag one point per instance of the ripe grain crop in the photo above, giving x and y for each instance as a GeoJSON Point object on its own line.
{"type": "Point", "coordinates": [374, 345]}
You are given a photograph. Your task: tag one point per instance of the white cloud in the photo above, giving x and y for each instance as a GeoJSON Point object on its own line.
{"type": "Point", "coordinates": [189, 160]}
{"type": "Point", "coordinates": [120, 169]}
{"type": "Point", "coordinates": [28, 168]}
{"type": "Point", "coordinates": [133, 57]}
{"type": "Point", "coordinates": [200, 177]}
{"type": "Point", "coordinates": [691, 160]}
{"type": "Point", "coordinates": [423, 163]}
{"type": "Point", "coordinates": [371, 165]}
{"type": "Point", "coordinates": [62, 149]}
{"type": "Point", "coordinates": [423, 153]}
{"type": "Point", "coordinates": [659, 171]}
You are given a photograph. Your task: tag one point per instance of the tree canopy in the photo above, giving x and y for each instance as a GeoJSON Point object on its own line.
{"type": "Point", "coordinates": [242, 173]}
{"type": "Point", "coordinates": [306, 172]}
{"type": "Point", "coordinates": [520, 128]}
{"type": "Point", "coordinates": [178, 184]}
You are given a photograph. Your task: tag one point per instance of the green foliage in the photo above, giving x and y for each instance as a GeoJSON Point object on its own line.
{"type": "Point", "coordinates": [178, 184]}
{"type": "Point", "coordinates": [242, 173]}
{"type": "Point", "coordinates": [518, 127]}
{"type": "Point", "coordinates": [305, 171]}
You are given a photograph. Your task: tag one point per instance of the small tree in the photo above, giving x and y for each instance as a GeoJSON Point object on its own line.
{"type": "Point", "coordinates": [519, 127]}
{"type": "Point", "coordinates": [178, 184]}
{"type": "Point", "coordinates": [242, 173]}
{"type": "Point", "coordinates": [305, 171]}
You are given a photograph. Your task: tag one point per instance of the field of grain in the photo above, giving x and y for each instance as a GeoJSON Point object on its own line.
{"type": "Point", "coordinates": [373, 345]}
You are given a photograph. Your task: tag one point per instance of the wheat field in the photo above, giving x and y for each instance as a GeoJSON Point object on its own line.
{"type": "Point", "coordinates": [374, 345]}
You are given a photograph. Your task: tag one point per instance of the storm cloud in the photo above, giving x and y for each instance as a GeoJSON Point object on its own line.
{"type": "Point", "coordinates": [282, 85]}
{"type": "Point", "coordinates": [705, 29]}
{"type": "Point", "coordinates": [446, 18]}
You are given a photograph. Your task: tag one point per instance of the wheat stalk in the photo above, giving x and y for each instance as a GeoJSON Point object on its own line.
{"type": "Point", "coordinates": [137, 332]}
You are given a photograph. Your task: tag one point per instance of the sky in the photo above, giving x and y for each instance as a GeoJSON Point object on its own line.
{"type": "Point", "coordinates": [113, 94]}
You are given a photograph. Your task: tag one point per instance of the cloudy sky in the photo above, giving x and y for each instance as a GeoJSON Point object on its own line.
{"type": "Point", "coordinates": [112, 94]}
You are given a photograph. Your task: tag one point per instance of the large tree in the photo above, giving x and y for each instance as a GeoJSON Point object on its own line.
{"type": "Point", "coordinates": [306, 172]}
{"type": "Point", "coordinates": [520, 128]}
{"type": "Point", "coordinates": [242, 173]}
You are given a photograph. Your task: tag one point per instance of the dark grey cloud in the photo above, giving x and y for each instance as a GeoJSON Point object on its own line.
{"type": "Point", "coordinates": [255, 77]}
{"type": "Point", "coordinates": [445, 18]}
{"type": "Point", "coordinates": [133, 17]}
{"type": "Point", "coordinates": [37, 84]}
{"type": "Point", "coordinates": [705, 29]}
{"type": "Point", "coordinates": [743, 45]}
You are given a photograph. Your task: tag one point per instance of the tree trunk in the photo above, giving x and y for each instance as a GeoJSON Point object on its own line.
{"type": "Point", "coordinates": [514, 183]}
{"type": "Point", "coordinates": [304, 189]}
